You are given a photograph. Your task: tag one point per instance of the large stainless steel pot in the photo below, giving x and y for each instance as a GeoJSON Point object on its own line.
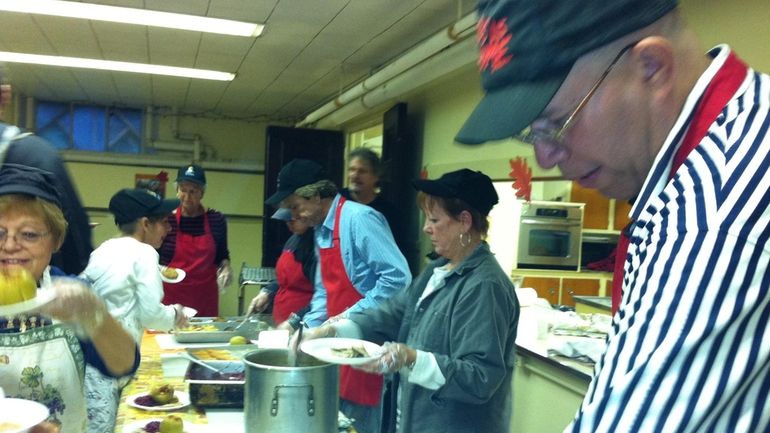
{"type": "Point", "coordinates": [283, 398]}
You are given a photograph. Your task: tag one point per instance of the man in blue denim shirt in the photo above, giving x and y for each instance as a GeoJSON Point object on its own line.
{"type": "Point", "coordinates": [359, 266]}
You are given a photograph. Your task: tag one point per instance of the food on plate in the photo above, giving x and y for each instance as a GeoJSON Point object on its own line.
{"type": "Point", "coordinates": [9, 427]}
{"type": "Point", "coordinates": [170, 273]}
{"type": "Point", "coordinates": [16, 285]}
{"type": "Point", "coordinates": [171, 424]}
{"type": "Point", "coordinates": [238, 340]}
{"type": "Point", "coordinates": [350, 352]}
{"type": "Point", "coordinates": [163, 393]}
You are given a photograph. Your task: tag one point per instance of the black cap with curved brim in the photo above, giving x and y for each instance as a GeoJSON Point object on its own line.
{"type": "Point", "coordinates": [527, 48]}
{"type": "Point", "coordinates": [296, 174]}
{"type": "Point", "coordinates": [129, 205]}
{"type": "Point", "coordinates": [472, 187]}
{"type": "Point", "coordinates": [30, 181]}
{"type": "Point", "coordinates": [192, 173]}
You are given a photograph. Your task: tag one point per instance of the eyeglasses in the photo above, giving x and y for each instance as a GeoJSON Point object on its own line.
{"type": "Point", "coordinates": [555, 135]}
{"type": "Point", "coordinates": [26, 238]}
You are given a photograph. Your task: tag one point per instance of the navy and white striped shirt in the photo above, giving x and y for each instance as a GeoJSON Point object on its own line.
{"type": "Point", "coordinates": [690, 346]}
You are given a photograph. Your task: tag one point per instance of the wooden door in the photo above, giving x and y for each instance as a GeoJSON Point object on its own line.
{"type": "Point", "coordinates": [546, 288]}
{"type": "Point", "coordinates": [579, 287]}
{"type": "Point", "coordinates": [284, 144]}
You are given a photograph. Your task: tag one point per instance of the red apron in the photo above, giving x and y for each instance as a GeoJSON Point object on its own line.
{"type": "Point", "coordinates": [195, 255]}
{"type": "Point", "coordinates": [294, 289]}
{"type": "Point", "coordinates": [721, 89]}
{"type": "Point", "coordinates": [355, 385]}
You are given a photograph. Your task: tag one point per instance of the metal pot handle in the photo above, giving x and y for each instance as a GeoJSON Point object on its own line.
{"type": "Point", "coordinates": [310, 399]}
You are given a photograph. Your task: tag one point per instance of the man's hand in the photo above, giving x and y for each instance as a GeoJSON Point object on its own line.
{"type": "Point", "coordinates": [259, 303]}
{"type": "Point", "coordinates": [224, 277]}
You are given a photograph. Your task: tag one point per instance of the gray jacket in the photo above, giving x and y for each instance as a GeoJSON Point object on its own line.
{"type": "Point", "coordinates": [469, 325]}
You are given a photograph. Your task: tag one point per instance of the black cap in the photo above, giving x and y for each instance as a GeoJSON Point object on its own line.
{"type": "Point", "coordinates": [22, 179]}
{"type": "Point", "coordinates": [296, 174]}
{"type": "Point", "coordinates": [527, 49]}
{"type": "Point", "coordinates": [472, 187]}
{"type": "Point", "coordinates": [131, 204]}
{"type": "Point", "coordinates": [192, 173]}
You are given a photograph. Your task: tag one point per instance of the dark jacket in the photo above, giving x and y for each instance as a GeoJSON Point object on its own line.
{"type": "Point", "coordinates": [469, 325]}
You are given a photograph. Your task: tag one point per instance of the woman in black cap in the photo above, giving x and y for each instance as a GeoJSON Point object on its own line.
{"type": "Point", "coordinates": [45, 360]}
{"type": "Point", "coordinates": [450, 336]}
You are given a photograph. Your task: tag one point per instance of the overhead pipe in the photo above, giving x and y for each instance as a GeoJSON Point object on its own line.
{"type": "Point", "coordinates": [451, 59]}
{"type": "Point", "coordinates": [452, 35]}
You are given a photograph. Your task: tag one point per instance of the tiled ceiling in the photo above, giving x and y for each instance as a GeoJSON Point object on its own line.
{"type": "Point", "coordinates": [311, 50]}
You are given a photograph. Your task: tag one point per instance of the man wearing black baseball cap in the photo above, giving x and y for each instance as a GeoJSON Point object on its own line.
{"type": "Point", "coordinates": [359, 267]}
{"type": "Point", "coordinates": [620, 96]}
{"type": "Point", "coordinates": [197, 244]}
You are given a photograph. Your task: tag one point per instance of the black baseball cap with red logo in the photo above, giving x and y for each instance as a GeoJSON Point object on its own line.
{"type": "Point", "coordinates": [527, 48]}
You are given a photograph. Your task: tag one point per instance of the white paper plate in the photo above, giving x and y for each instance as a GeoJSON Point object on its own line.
{"type": "Point", "coordinates": [184, 401]}
{"type": "Point", "coordinates": [23, 413]}
{"type": "Point", "coordinates": [138, 426]}
{"type": "Point", "coordinates": [43, 297]}
{"type": "Point", "coordinates": [322, 349]}
{"type": "Point", "coordinates": [180, 274]}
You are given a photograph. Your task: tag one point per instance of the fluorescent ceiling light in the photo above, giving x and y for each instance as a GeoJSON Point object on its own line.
{"type": "Point", "coordinates": [133, 16]}
{"type": "Point", "coordinates": [78, 62]}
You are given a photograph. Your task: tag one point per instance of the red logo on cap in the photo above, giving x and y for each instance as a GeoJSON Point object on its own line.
{"type": "Point", "coordinates": [493, 38]}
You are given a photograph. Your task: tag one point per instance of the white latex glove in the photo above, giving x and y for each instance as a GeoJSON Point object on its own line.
{"type": "Point", "coordinates": [75, 303]}
{"type": "Point", "coordinates": [224, 278]}
{"type": "Point", "coordinates": [394, 357]}
{"type": "Point", "coordinates": [259, 303]}
{"type": "Point", "coordinates": [180, 319]}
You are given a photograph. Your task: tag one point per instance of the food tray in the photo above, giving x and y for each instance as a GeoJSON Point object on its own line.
{"type": "Point", "coordinates": [219, 332]}
{"type": "Point", "coordinates": [233, 353]}
{"type": "Point", "coordinates": [210, 389]}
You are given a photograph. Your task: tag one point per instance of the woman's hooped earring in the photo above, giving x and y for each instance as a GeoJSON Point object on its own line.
{"type": "Point", "coordinates": [463, 242]}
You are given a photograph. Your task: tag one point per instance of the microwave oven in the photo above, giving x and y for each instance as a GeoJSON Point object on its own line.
{"type": "Point", "coordinates": [550, 235]}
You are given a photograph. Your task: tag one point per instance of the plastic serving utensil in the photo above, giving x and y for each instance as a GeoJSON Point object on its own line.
{"type": "Point", "coordinates": [243, 322]}
{"type": "Point", "coordinates": [199, 362]}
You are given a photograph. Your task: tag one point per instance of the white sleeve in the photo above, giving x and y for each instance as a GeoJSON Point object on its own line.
{"type": "Point", "coordinates": [149, 292]}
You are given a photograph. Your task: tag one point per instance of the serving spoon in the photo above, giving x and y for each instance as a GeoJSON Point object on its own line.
{"type": "Point", "coordinates": [195, 360]}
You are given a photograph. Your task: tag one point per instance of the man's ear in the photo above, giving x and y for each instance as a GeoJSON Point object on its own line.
{"type": "Point", "coordinates": [654, 57]}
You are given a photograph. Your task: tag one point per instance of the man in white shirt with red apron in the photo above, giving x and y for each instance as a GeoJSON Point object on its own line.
{"type": "Point", "coordinates": [621, 97]}
{"type": "Point", "coordinates": [359, 266]}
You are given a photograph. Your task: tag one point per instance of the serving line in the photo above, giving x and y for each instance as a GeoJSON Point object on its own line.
{"type": "Point", "coordinates": [151, 369]}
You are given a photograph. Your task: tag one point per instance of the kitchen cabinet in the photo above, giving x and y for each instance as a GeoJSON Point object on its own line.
{"type": "Point", "coordinates": [600, 212]}
{"type": "Point", "coordinates": [545, 396]}
{"type": "Point", "coordinates": [546, 288]}
{"type": "Point", "coordinates": [558, 287]}
{"type": "Point", "coordinates": [577, 287]}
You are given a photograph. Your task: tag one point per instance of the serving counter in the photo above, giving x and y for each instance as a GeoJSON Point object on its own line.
{"type": "Point", "coordinates": [547, 388]}
{"type": "Point", "coordinates": [153, 369]}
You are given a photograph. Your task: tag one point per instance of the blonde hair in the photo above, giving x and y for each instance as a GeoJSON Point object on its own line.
{"type": "Point", "coordinates": [50, 213]}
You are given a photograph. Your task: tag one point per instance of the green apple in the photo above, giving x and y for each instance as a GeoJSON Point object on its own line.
{"type": "Point", "coordinates": [162, 393]}
{"type": "Point", "coordinates": [171, 424]}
